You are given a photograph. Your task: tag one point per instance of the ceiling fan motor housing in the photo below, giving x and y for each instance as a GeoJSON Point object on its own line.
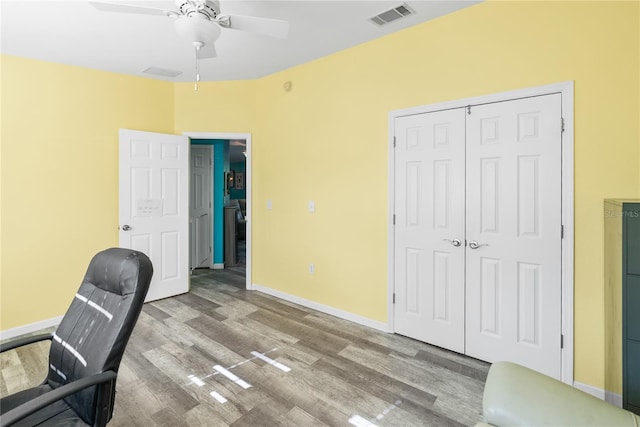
{"type": "Point", "coordinates": [207, 9]}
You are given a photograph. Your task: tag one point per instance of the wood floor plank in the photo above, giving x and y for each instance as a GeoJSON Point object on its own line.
{"type": "Point", "coordinates": [385, 388]}
{"type": "Point", "coordinates": [15, 378]}
{"type": "Point", "coordinates": [167, 417]}
{"type": "Point", "coordinates": [176, 309]}
{"type": "Point", "coordinates": [266, 414]}
{"type": "Point", "coordinates": [146, 335]}
{"type": "Point", "coordinates": [205, 345]}
{"type": "Point", "coordinates": [9, 359]}
{"type": "Point", "coordinates": [355, 336]}
{"type": "Point", "coordinates": [453, 366]}
{"type": "Point", "coordinates": [448, 386]}
{"type": "Point", "coordinates": [199, 303]}
{"type": "Point", "coordinates": [235, 339]}
{"type": "Point", "coordinates": [155, 312]}
{"type": "Point", "coordinates": [262, 330]}
{"type": "Point", "coordinates": [267, 302]}
{"type": "Point", "coordinates": [314, 338]}
{"type": "Point", "coordinates": [296, 417]}
{"type": "Point", "coordinates": [297, 391]}
{"type": "Point", "coordinates": [339, 392]}
{"type": "Point", "coordinates": [204, 415]}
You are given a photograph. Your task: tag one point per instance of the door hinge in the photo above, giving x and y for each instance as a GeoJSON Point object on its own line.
{"type": "Point", "coordinates": [394, 297]}
{"type": "Point", "coordinates": [468, 109]}
{"type": "Point", "coordinates": [394, 141]}
{"type": "Point", "coordinates": [561, 341]}
{"type": "Point", "coordinates": [561, 124]}
{"type": "Point", "coordinates": [562, 231]}
{"type": "Point", "coordinates": [394, 219]}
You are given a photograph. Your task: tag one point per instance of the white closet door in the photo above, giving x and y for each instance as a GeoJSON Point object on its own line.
{"type": "Point", "coordinates": [513, 278]}
{"type": "Point", "coordinates": [429, 190]}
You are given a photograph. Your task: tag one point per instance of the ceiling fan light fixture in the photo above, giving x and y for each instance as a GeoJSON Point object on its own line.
{"type": "Point", "coordinates": [196, 29]}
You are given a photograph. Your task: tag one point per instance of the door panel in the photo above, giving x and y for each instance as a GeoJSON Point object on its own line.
{"type": "Point", "coordinates": [429, 188]}
{"type": "Point", "coordinates": [490, 273]}
{"type": "Point", "coordinates": [513, 277]}
{"type": "Point", "coordinates": [153, 201]}
{"type": "Point", "coordinates": [201, 206]}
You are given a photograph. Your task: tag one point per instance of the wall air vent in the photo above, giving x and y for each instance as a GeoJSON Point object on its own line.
{"type": "Point", "coordinates": [162, 72]}
{"type": "Point", "coordinates": [392, 14]}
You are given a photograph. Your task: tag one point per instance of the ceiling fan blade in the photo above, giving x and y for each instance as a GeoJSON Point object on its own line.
{"type": "Point", "coordinates": [207, 51]}
{"type": "Point", "coordinates": [265, 26]}
{"type": "Point", "coordinates": [127, 8]}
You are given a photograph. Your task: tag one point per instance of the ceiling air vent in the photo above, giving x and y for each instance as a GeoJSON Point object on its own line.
{"type": "Point", "coordinates": [162, 72]}
{"type": "Point", "coordinates": [392, 14]}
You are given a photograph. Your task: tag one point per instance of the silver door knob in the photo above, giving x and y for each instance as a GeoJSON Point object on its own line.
{"type": "Point", "coordinates": [475, 245]}
{"type": "Point", "coordinates": [126, 228]}
{"type": "Point", "coordinates": [454, 242]}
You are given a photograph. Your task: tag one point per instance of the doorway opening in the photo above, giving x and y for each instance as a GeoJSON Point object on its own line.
{"type": "Point", "coordinates": [230, 190]}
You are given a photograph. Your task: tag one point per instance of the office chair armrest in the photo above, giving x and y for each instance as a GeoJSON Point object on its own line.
{"type": "Point", "coordinates": [28, 408]}
{"type": "Point", "coordinates": [24, 341]}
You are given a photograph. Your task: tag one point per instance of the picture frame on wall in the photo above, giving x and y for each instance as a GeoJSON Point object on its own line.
{"type": "Point", "coordinates": [239, 181]}
{"type": "Point", "coordinates": [230, 178]}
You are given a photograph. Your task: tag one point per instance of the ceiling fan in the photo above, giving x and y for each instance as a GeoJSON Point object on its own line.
{"type": "Point", "coordinates": [200, 22]}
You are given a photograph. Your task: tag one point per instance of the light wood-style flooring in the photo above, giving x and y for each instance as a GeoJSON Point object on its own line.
{"type": "Point", "coordinates": [223, 356]}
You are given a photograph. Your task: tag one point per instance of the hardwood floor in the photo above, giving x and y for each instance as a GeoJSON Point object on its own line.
{"type": "Point", "coordinates": [224, 356]}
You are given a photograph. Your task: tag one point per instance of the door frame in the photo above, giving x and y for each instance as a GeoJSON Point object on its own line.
{"type": "Point", "coordinates": [213, 231]}
{"type": "Point", "coordinates": [567, 137]}
{"type": "Point", "coordinates": [247, 184]}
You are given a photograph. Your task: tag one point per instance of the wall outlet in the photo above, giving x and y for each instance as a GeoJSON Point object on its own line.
{"type": "Point", "coordinates": [312, 206]}
{"type": "Point", "coordinates": [312, 268]}
{"type": "Point", "coordinates": [269, 204]}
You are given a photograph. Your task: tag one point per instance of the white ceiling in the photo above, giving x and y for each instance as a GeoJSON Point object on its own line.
{"type": "Point", "coordinates": [76, 33]}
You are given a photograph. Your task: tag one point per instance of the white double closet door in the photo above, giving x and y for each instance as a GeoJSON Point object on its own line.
{"type": "Point", "coordinates": [478, 230]}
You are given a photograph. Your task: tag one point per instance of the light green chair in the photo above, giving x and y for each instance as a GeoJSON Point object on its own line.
{"type": "Point", "coordinates": [518, 396]}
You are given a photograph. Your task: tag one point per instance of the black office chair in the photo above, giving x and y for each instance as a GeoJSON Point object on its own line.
{"type": "Point", "coordinates": [87, 347]}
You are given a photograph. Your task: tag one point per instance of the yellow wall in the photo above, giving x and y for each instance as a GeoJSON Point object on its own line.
{"type": "Point", "coordinates": [325, 140]}
{"type": "Point", "coordinates": [215, 107]}
{"type": "Point", "coordinates": [60, 175]}
{"type": "Point", "coordinates": [613, 274]}
{"type": "Point", "coordinates": [1, 259]}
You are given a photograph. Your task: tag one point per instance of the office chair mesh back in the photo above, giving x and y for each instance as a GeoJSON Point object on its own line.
{"type": "Point", "coordinates": [93, 334]}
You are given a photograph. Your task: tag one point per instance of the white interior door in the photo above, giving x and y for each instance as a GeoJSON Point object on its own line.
{"type": "Point", "coordinates": [201, 206]}
{"type": "Point", "coordinates": [513, 280]}
{"type": "Point", "coordinates": [429, 230]}
{"type": "Point", "coordinates": [153, 211]}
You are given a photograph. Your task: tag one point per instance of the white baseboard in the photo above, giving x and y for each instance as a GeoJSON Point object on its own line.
{"type": "Point", "coordinates": [218, 266]}
{"type": "Point", "coordinates": [30, 328]}
{"type": "Point", "coordinates": [613, 398]}
{"type": "Point", "coordinates": [593, 391]}
{"type": "Point", "coordinates": [365, 321]}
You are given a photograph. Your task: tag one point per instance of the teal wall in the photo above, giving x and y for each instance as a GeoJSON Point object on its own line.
{"type": "Point", "coordinates": [220, 166]}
